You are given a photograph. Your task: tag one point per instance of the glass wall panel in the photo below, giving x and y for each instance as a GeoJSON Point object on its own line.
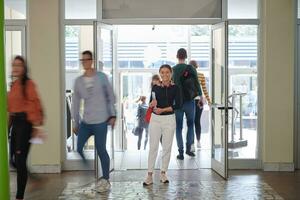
{"type": "Point", "coordinates": [243, 85]}
{"type": "Point", "coordinates": [77, 39]}
{"type": "Point", "coordinates": [15, 9]}
{"type": "Point", "coordinates": [243, 9]}
{"type": "Point", "coordinates": [13, 47]}
{"type": "Point", "coordinates": [79, 9]}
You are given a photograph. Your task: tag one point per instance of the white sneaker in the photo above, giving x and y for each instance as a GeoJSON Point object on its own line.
{"type": "Point", "coordinates": [148, 181]}
{"type": "Point", "coordinates": [104, 186]}
{"type": "Point", "coordinates": [164, 178]}
{"type": "Point", "coordinates": [192, 148]}
{"type": "Point", "coordinates": [199, 144]}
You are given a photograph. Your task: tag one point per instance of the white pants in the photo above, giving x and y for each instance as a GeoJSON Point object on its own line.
{"type": "Point", "coordinates": [161, 125]}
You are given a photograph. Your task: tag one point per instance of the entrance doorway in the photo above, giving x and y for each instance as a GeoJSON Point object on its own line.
{"type": "Point", "coordinates": [135, 52]}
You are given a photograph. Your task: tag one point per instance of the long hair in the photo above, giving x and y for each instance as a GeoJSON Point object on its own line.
{"type": "Point", "coordinates": [25, 76]}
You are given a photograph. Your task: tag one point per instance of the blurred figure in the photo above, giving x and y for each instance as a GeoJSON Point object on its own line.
{"type": "Point", "coordinates": [165, 99]}
{"type": "Point", "coordinates": [155, 80]}
{"type": "Point", "coordinates": [185, 77]}
{"type": "Point", "coordinates": [25, 119]}
{"type": "Point", "coordinates": [99, 112]}
{"type": "Point", "coordinates": [142, 124]}
{"type": "Point", "coordinates": [199, 105]}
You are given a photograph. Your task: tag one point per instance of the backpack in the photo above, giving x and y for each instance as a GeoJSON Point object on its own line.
{"type": "Point", "coordinates": [187, 80]}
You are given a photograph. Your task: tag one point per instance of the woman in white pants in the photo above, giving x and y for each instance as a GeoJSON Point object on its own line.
{"type": "Point", "coordinates": [165, 99]}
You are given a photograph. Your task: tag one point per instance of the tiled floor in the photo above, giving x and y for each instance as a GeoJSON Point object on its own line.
{"type": "Point", "coordinates": [184, 184]}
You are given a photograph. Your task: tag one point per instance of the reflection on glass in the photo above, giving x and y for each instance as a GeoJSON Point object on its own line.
{"type": "Point", "coordinates": [105, 52]}
{"type": "Point", "coordinates": [133, 86]}
{"type": "Point", "coordinates": [218, 95]}
{"type": "Point", "coordinates": [243, 79]}
{"type": "Point", "coordinates": [15, 9]}
{"type": "Point", "coordinates": [13, 47]}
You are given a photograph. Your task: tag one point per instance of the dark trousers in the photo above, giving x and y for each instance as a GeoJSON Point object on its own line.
{"type": "Point", "coordinates": [19, 145]}
{"type": "Point", "coordinates": [188, 109]}
{"type": "Point", "coordinates": [100, 133]}
{"type": "Point", "coordinates": [140, 138]}
{"type": "Point", "coordinates": [198, 114]}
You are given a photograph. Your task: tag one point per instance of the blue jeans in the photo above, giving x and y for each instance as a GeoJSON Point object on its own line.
{"type": "Point", "coordinates": [188, 109]}
{"type": "Point", "coordinates": [100, 133]}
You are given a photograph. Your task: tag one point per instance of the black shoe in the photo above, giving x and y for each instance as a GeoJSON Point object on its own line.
{"type": "Point", "coordinates": [180, 157]}
{"type": "Point", "coordinates": [190, 153]}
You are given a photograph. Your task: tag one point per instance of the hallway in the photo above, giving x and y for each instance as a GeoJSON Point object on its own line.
{"type": "Point", "coordinates": [184, 184]}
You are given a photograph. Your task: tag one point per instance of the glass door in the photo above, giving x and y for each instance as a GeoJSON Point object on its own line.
{"type": "Point", "coordinates": [219, 80]}
{"type": "Point", "coordinates": [104, 63]}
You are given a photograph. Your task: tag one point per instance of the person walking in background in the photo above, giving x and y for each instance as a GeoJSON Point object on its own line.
{"type": "Point", "coordinates": [185, 77]}
{"type": "Point", "coordinates": [25, 118]}
{"type": "Point", "coordinates": [199, 105]}
{"type": "Point", "coordinates": [155, 80]}
{"type": "Point", "coordinates": [142, 124]}
{"type": "Point", "coordinates": [99, 112]}
{"type": "Point", "coordinates": [165, 99]}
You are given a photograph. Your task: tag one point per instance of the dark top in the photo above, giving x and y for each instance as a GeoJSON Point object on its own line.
{"type": "Point", "coordinates": [167, 97]}
{"type": "Point", "coordinates": [141, 113]}
{"type": "Point", "coordinates": [177, 74]}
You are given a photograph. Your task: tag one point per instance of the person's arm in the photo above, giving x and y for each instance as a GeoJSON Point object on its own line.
{"type": "Point", "coordinates": [198, 87]}
{"type": "Point", "coordinates": [75, 105]}
{"type": "Point", "coordinates": [204, 88]}
{"type": "Point", "coordinates": [34, 107]}
{"type": "Point", "coordinates": [111, 99]}
{"type": "Point", "coordinates": [178, 100]}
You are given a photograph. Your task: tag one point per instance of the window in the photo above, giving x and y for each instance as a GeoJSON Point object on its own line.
{"type": "Point", "coordinates": [242, 9]}
{"type": "Point", "coordinates": [15, 9]}
{"type": "Point", "coordinates": [243, 79]}
{"type": "Point", "coordinates": [79, 9]}
{"type": "Point", "coordinates": [200, 45]}
{"type": "Point", "coordinates": [146, 46]}
{"type": "Point", "coordinates": [77, 39]}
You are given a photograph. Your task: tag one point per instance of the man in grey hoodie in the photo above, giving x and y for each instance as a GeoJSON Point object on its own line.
{"type": "Point", "coordinates": [99, 111]}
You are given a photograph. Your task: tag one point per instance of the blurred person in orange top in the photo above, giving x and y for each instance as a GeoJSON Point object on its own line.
{"type": "Point", "coordinates": [25, 119]}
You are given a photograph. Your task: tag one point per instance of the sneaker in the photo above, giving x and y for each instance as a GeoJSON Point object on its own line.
{"type": "Point", "coordinates": [190, 153]}
{"type": "Point", "coordinates": [180, 157]}
{"type": "Point", "coordinates": [164, 178]}
{"type": "Point", "coordinates": [199, 144]}
{"type": "Point", "coordinates": [192, 148]}
{"type": "Point", "coordinates": [148, 181]}
{"type": "Point", "coordinates": [104, 186]}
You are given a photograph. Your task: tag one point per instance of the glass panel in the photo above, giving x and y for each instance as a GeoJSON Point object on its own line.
{"type": "Point", "coordinates": [15, 9]}
{"type": "Point", "coordinates": [200, 45]}
{"type": "Point", "coordinates": [298, 9]}
{"type": "Point", "coordinates": [218, 95]}
{"type": "Point", "coordinates": [77, 39]}
{"type": "Point", "coordinates": [133, 85]}
{"type": "Point", "coordinates": [150, 46]}
{"type": "Point", "coordinates": [105, 64]}
{"type": "Point", "coordinates": [105, 52]}
{"type": "Point", "coordinates": [242, 9]}
{"type": "Point", "coordinates": [120, 9]}
{"type": "Point", "coordinates": [13, 47]}
{"type": "Point", "coordinates": [79, 9]}
{"type": "Point", "coordinates": [243, 84]}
